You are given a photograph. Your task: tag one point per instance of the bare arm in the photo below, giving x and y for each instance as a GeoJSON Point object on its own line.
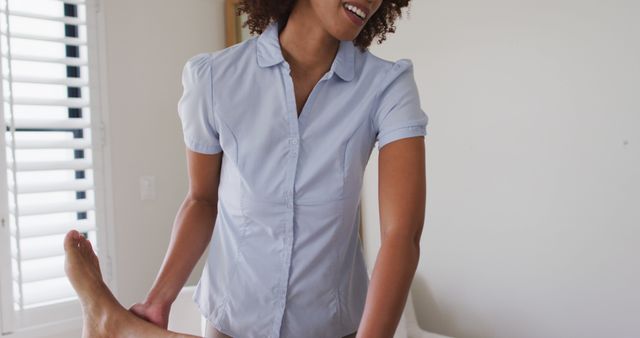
{"type": "Point", "coordinates": [402, 196]}
{"type": "Point", "coordinates": [191, 234]}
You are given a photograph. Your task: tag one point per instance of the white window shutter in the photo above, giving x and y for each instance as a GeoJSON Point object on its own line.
{"type": "Point", "coordinates": [49, 167]}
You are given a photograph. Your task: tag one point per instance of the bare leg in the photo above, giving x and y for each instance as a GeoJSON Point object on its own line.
{"type": "Point", "coordinates": [103, 316]}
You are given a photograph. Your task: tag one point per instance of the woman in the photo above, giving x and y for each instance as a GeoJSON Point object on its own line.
{"type": "Point", "coordinates": [279, 129]}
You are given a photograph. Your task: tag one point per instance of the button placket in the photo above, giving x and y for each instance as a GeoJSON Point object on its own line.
{"type": "Point", "coordinates": [289, 199]}
{"type": "Point", "coordinates": [293, 141]}
{"type": "Point", "coordinates": [287, 235]}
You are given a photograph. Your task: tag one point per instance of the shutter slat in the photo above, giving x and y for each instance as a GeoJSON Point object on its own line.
{"type": "Point", "coordinates": [29, 230]}
{"type": "Point", "coordinates": [31, 101]}
{"type": "Point", "coordinates": [52, 165]}
{"type": "Point", "coordinates": [71, 82]}
{"type": "Point", "coordinates": [34, 37]}
{"type": "Point", "coordinates": [46, 291]}
{"type": "Point", "coordinates": [63, 19]}
{"type": "Point", "coordinates": [42, 269]}
{"type": "Point", "coordinates": [52, 208]}
{"type": "Point", "coordinates": [72, 185]}
{"type": "Point", "coordinates": [41, 247]}
{"type": "Point", "coordinates": [57, 144]}
{"type": "Point", "coordinates": [34, 58]}
{"type": "Point", "coordinates": [76, 2]}
{"type": "Point", "coordinates": [78, 123]}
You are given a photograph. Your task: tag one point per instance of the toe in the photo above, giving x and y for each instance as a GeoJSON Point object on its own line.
{"type": "Point", "coordinates": [71, 240]}
{"type": "Point", "coordinates": [86, 246]}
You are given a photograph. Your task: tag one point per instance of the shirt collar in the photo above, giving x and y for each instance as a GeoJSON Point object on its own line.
{"type": "Point", "coordinates": [269, 53]}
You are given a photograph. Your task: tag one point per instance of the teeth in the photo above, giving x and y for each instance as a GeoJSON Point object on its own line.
{"type": "Point", "coordinates": [357, 11]}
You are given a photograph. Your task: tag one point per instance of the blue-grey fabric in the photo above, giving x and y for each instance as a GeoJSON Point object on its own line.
{"type": "Point", "coordinates": [285, 259]}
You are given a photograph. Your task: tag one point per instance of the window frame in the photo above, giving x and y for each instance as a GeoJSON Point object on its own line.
{"type": "Point", "coordinates": [37, 320]}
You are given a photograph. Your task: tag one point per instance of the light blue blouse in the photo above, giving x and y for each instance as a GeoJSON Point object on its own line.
{"type": "Point", "coordinates": [285, 259]}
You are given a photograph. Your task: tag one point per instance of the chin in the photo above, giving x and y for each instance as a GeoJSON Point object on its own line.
{"type": "Point", "coordinates": [349, 37]}
{"type": "Point", "coordinates": [345, 32]}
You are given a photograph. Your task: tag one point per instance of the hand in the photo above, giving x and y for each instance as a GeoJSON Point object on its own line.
{"type": "Point", "coordinates": [156, 314]}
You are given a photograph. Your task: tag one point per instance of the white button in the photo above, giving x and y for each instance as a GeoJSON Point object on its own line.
{"type": "Point", "coordinates": [294, 141]}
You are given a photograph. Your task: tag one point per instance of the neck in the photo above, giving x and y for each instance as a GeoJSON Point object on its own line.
{"type": "Point", "coordinates": [305, 44]}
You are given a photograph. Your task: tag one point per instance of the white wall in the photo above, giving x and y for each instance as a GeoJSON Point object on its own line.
{"type": "Point", "coordinates": [148, 42]}
{"type": "Point", "coordinates": [531, 157]}
{"type": "Point", "coordinates": [533, 166]}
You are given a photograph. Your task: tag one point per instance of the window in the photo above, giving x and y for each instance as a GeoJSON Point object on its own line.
{"type": "Point", "coordinates": [50, 155]}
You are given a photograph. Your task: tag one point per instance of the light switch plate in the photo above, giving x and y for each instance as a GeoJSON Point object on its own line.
{"type": "Point", "coordinates": [147, 188]}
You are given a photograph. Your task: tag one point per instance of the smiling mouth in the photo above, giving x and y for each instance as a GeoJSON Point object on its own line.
{"type": "Point", "coordinates": [355, 10]}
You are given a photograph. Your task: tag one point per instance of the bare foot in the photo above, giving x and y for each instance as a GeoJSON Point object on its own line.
{"type": "Point", "coordinates": [103, 316]}
{"type": "Point", "coordinates": [99, 306]}
{"type": "Point", "coordinates": [81, 264]}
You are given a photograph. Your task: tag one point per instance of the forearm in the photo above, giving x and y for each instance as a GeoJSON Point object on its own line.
{"type": "Point", "coordinates": [190, 237]}
{"type": "Point", "coordinates": [391, 279]}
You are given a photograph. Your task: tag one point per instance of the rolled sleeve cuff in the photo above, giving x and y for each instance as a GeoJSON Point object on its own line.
{"type": "Point", "coordinates": [201, 147]}
{"type": "Point", "coordinates": [400, 133]}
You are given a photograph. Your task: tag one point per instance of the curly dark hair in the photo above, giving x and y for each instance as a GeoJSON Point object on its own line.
{"type": "Point", "coordinates": [262, 12]}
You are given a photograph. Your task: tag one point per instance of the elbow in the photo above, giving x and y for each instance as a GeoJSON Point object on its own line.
{"type": "Point", "coordinates": [416, 247]}
{"type": "Point", "coordinates": [410, 234]}
{"type": "Point", "coordinates": [407, 239]}
{"type": "Point", "coordinates": [416, 240]}
{"type": "Point", "coordinates": [202, 200]}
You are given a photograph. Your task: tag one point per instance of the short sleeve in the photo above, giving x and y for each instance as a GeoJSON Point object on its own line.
{"type": "Point", "coordinates": [398, 113]}
{"type": "Point", "coordinates": [195, 107]}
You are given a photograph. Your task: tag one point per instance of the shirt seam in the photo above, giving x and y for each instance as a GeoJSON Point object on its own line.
{"type": "Point", "coordinates": [211, 115]}
{"type": "Point", "coordinates": [344, 158]}
{"type": "Point", "coordinates": [376, 98]}
{"type": "Point", "coordinates": [216, 118]}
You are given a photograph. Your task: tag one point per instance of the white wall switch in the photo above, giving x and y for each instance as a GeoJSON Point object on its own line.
{"type": "Point", "coordinates": [147, 188]}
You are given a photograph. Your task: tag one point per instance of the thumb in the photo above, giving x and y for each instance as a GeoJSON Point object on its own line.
{"type": "Point", "coordinates": [138, 310]}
